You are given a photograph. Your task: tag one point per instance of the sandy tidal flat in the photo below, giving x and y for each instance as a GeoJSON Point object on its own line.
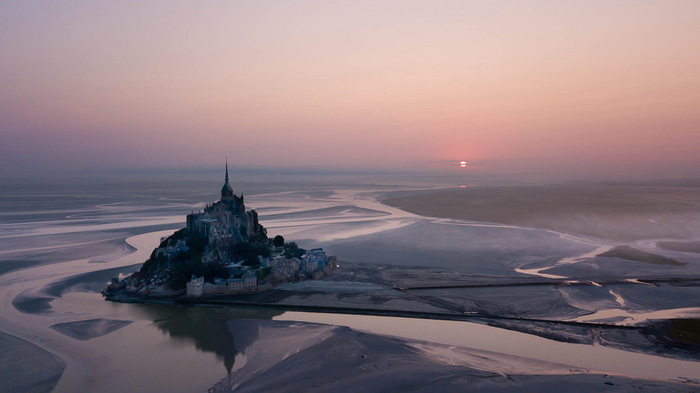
{"type": "Point", "coordinates": [616, 212]}
{"type": "Point", "coordinates": [282, 356]}
{"type": "Point", "coordinates": [391, 262]}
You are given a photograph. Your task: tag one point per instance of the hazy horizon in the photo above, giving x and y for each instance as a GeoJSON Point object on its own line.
{"type": "Point", "coordinates": [590, 90]}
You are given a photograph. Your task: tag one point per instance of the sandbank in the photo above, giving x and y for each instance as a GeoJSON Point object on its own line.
{"type": "Point", "coordinates": [27, 368]}
{"type": "Point", "coordinates": [680, 246]}
{"type": "Point", "coordinates": [283, 356]}
{"type": "Point", "coordinates": [617, 212]}
{"type": "Point", "coordinates": [89, 329]}
{"type": "Point", "coordinates": [632, 254]}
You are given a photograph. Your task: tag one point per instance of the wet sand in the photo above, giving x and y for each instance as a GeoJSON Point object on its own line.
{"type": "Point", "coordinates": [282, 356]}
{"type": "Point", "coordinates": [380, 242]}
{"type": "Point", "coordinates": [616, 212]}
{"type": "Point", "coordinates": [632, 254]}
{"type": "Point", "coordinates": [89, 329]}
{"type": "Point", "coordinates": [693, 247]}
{"type": "Point", "coordinates": [24, 367]}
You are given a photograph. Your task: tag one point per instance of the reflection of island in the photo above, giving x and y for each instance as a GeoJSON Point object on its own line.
{"type": "Point", "coordinates": [207, 327]}
{"type": "Point", "coordinates": [222, 250]}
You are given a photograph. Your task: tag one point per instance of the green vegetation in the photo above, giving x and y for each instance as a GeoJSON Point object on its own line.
{"type": "Point", "coordinates": [177, 268]}
{"type": "Point", "coordinates": [278, 241]}
{"type": "Point", "coordinates": [196, 243]}
{"type": "Point", "coordinates": [262, 232]}
{"type": "Point", "coordinates": [182, 273]}
{"type": "Point", "coordinates": [249, 252]}
{"type": "Point", "coordinates": [291, 250]}
{"type": "Point", "coordinates": [258, 238]}
{"type": "Point", "coordinates": [178, 235]}
{"type": "Point", "coordinates": [182, 265]}
{"type": "Point", "coordinates": [264, 272]}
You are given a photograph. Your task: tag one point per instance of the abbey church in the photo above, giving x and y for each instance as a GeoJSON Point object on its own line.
{"type": "Point", "coordinates": [225, 222]}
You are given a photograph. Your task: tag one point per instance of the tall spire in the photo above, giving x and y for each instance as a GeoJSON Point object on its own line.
{"type": "Point", "coordinates": [226, 169]}
{"type": "Point", "coordinates": [226, 190]}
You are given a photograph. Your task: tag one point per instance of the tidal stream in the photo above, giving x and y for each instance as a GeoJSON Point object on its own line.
{"type": "Point", "coordinates": [171, 348]}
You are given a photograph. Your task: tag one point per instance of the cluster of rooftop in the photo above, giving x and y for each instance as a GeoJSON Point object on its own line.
{"type": "Point", "coordinates": [273, 270]}
{"type": "Point", "coordinates": [223, 250]}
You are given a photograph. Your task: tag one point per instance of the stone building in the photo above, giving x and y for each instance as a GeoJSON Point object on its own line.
{"type": "Point", "coordinates": [225, 222]}
{"type": "Point", "coordinates": [250, 280]}
{"type": "Point", "coordinates": [195, 288]}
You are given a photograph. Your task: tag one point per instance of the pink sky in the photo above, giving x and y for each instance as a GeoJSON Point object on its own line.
{"type": "Point", "coordinates": [582, 89]}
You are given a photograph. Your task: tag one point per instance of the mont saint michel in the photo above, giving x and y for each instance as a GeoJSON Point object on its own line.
{"type": "Point", "coordinates": [223, 250]}
{"type": "Point", "coordinates": [511, 189]}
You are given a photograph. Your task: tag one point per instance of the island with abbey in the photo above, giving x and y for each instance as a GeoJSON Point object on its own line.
{"type": "Point", "coordinates": [223, 250]}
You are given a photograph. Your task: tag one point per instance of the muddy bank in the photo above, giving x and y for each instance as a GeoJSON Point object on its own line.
{"type": "Point", "coordinates": [89, 329]}
{"type": "Point", "coordinates": [632, 254]}
{"type": "Point", "coordinates": [693, 247]}
{"type": "Point", "coordinates": [9, 265]}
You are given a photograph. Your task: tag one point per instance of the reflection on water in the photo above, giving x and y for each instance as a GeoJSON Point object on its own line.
{"type": "Point", "coordinates": [205, 327]}
{"type": "Point", "coordinates": [166, 347]}
{"type": "Point", "coordinates": [175, 354]}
